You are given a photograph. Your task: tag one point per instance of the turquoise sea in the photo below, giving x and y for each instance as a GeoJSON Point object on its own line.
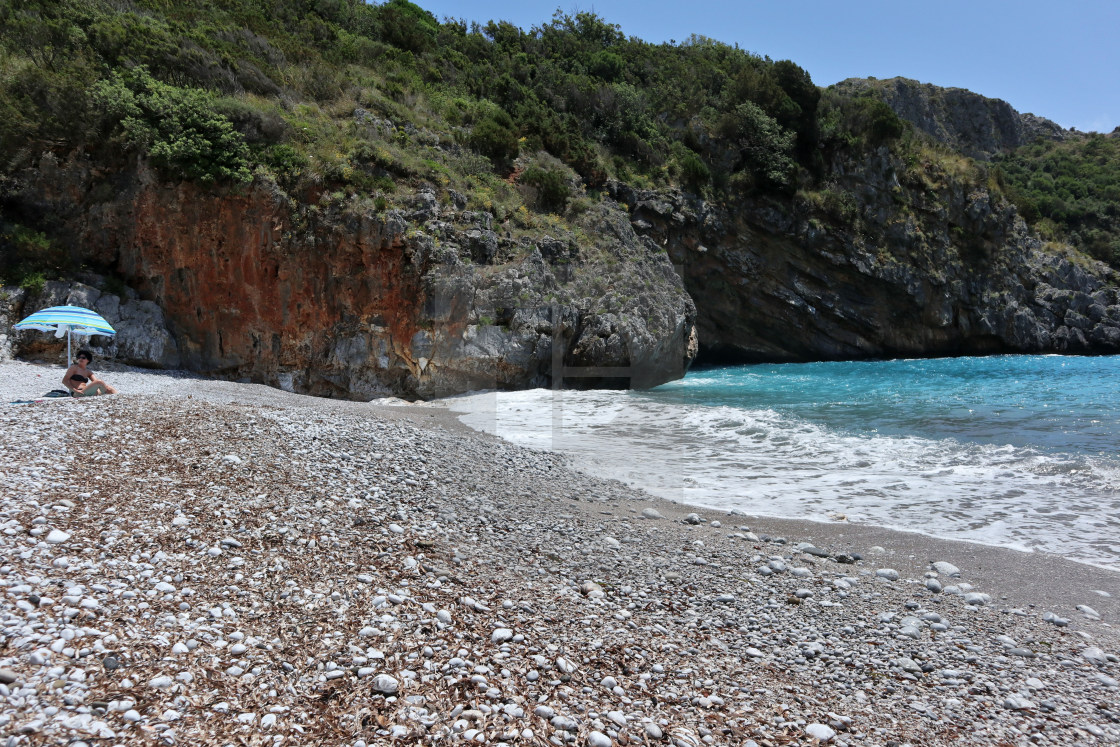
{"type": "Point", "coordinates": [1017, 451]}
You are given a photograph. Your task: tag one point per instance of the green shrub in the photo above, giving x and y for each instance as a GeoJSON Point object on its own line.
{"type": "Point", "coordinates": [877, 120]}
{"type": "Point", "coordinates": [29, 256]}
{"type": "Point", "coordinates": [552, 187]}
{"type": "Point", "coordinates": [606, 65]}
{"type": "Point", "coordinates": [285, 162]}
{"type": "Point", "coordinates": [407, 26]}
{"type": "Point", "coordinates": [694, 172]}
{"type": "Point", "coordinates": [840, 205]}
{"type": "Point", "coordinates": [765, 149]}
{"type": "Point", "coordinates": [177, 128]}
{"type": "Point", "coordinates": [33, 282]}
{"type": "Point", "coordinates": [493, 136]}
{"type": "Point", "coordinates": [1068, 191]}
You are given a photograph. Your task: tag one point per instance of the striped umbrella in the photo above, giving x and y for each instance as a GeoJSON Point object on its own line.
{"type": "Point", "coordinates": [67, 320]}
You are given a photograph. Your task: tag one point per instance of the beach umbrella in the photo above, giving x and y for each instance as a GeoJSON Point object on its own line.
{"type": "Point", "coordinates": [67, 320]}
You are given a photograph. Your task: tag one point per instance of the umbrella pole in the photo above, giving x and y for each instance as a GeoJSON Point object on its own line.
{"type": "Point", "coordinates": [68, 358]}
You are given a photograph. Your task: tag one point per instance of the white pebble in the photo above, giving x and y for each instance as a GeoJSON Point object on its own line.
{"type": "Point", "coordinates": [820, 732]}
{"type": "Point", "coordinates": [384, 683]}
{"type": "Point", "coordinates": [598, 739]}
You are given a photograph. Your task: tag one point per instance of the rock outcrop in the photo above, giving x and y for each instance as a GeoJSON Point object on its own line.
{"type": "Point", "coordinates": [919, 265]}
{"type": "Point", "coordinates": [142, 338]}
{"type": "Point", "coordinates": [334, 297]}
{"type": "Point", "coordinates": [337, 299]}
{"type": "Point", "coordinates": [975, 125]}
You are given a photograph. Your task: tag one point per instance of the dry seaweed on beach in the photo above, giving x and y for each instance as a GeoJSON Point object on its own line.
{"type": "Point", "coordinates": [302, 572]}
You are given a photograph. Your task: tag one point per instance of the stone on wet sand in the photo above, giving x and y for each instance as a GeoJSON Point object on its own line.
{"type": "Point", "coordinates": [1088, 611]}
{"type": "Point", "coordinates": [946, 569]}
{"type": "Point", "coordinates": [1053, 619]}
{"type": "Point", "coordinates": [1095, 655]}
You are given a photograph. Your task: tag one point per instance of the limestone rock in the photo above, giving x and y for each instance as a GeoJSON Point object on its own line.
{"type": "Point", "coordinates": [973, 124]}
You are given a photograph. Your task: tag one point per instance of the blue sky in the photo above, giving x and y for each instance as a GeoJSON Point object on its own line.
{"type": "Point", "coordinates": [1059, 60]}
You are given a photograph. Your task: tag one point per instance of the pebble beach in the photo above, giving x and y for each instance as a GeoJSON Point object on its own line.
{"type": "Point", "coordinates": [197, 562]}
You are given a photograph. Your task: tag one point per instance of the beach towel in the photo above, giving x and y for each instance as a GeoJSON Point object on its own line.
{"type": "Point", "coordinates": [52, 394]}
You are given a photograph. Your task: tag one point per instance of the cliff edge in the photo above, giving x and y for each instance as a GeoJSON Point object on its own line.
{"type": "Point", "coordinates": [978, 126]}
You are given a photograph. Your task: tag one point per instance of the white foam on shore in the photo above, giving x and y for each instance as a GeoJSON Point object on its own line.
{"type": "Point", "coordinates": [767, 464]}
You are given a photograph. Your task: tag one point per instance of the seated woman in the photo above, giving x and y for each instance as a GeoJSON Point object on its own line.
{"type": "Point", "coordinates": [80, 386]}
{"type": "Point", "coordinates": [86, 383]}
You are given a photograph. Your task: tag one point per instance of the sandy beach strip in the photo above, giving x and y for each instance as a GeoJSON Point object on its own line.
{"type": "Point", "coordinates": [206, 562]}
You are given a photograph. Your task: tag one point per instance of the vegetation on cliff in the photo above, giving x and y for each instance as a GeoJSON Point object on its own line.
{"type": "Point", "coordinates": [344, 98]}
{"type": "Point", "coordinates": [344, 101]}
{"type": "Point", "coordinates": [1069, 191]}
{"type": "Point", "coordinates": [575, 87]}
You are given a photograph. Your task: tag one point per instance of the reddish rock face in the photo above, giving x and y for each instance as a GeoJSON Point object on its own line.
{"type": "Point", "coordinates": [320, 307]}
{"type": "Point", "coordinates": [249, 296]}
{"type": "Point", "coordinates": [327, 300]}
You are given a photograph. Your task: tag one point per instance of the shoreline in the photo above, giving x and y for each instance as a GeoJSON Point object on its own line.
{"type": "Point", "coordinates": [1063, 580]}
{"type": "Point", "coordinates": [961, 499]}
{"type": "Point", "coordinates": [242, 563]}
{"type": "Point", "coordinates": [1010, 569]}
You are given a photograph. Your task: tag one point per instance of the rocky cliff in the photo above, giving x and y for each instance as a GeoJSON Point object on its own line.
{"type": "Point", "coordinates": [975, 125]}
{"type": "Point", "coordinates": [326, 295]}
{"type": "Point", "coordinates": [887, 260]}
{"type": "Point", "coordinates": [325, 298]}
{"type": "Point", "coordinates": [390, 230]}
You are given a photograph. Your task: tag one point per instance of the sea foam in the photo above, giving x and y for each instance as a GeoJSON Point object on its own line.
{"type": "Point", "coordinates": [767, 462]}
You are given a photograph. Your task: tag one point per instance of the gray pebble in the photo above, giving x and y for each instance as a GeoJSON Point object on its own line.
{"type": "Point", "coordinates": [1050, 617]}
{"type": "Point", "coordinates": [1017, 703]}
{"type": "Point", "coordinates": [946, 569]}
{"type": "Point", "coordinates": [820, 732]}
